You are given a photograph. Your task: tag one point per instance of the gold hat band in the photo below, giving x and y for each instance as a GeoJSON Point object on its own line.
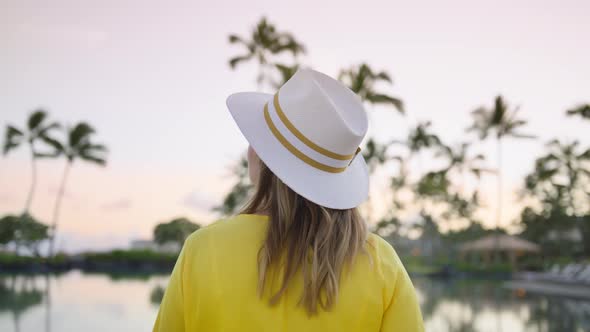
{"type": "Point", "coordinates": [304, 139]}
{"type": "Point", "coordinates": [296, 151]}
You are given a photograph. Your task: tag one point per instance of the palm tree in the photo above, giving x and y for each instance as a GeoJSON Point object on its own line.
{"type": "Point", "coordinates": [421, 137]}
{"type": "Point", "coordinates": [432, 185]}
{"type": "Point", "coordinates": [157, 295]}
{"type": "Point", "coordinates": [264, 43]}
{"type": "Point", "coordinates": [362, 79]}
{"type": "Point", "coordinates": [581, 110]}
{"type": "Point", "coordinates": [502, 122]}
{"type": "Point", "coordinates": [38, 129]}
{"type": "Point", "coordinates": [436, 185]}
{"type": "Point", "coordinates": [78, 145]}
{"type": "Point", "coordinates": [461, 163]}
{"type": "Point", "coordinates": [561, 178]}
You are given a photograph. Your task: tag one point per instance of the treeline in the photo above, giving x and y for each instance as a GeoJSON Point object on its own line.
{"type": "Point", "coordinates": [557, 187]}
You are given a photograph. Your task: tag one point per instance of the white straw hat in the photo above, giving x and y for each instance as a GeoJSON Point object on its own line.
{"type": "Point", "coordinates": [308, 134]}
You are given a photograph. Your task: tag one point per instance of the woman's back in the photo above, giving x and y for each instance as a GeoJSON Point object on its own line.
{"type": "Point", "coordinates": [214, 288]}
{"type": "Point", "coordinates": [309, 265]}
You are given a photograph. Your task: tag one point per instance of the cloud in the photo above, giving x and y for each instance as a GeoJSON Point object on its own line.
{"type": "Point", "coordinates": [117, 205]}
{"type": "Point", "coordinates": [199, 201]}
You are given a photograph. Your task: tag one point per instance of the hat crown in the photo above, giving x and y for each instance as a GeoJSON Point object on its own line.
{"type": "Point", "coordinates": [324, 110]}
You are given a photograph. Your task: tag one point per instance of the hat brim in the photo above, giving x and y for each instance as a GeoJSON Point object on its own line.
{"type": "Point", "coordinates": [343, 190]}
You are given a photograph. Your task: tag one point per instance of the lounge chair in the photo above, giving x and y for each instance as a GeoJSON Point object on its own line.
{"type": "Point", "coordinates": [583, 275]}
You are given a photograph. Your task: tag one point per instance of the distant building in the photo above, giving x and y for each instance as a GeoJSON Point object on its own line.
{"type": "Point", "coordinates": [168, 247]}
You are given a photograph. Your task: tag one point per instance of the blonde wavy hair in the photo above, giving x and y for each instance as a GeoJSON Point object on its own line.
{"type": "Point", "coordinates": [304, 236]}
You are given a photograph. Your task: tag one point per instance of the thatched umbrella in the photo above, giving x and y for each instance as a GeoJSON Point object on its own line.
{"type": "Point", "coordinates": [500, 242]}
{"type": "Point", "coordinates": [513, 245]}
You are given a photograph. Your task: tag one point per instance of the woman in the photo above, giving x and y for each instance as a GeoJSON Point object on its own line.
{"type": "Point", "coordinates": [298, 257]}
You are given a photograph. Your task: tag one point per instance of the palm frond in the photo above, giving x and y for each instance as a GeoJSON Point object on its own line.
{"type": "Point", "coordinates": [92, 148]}
{"type": "Point", "coordinates": [286, 43]}
{"type": "Point", "coordinates": [384, 76]}
{"type": "Point", "coordinates": [55, 144]}
{"type": "Point", "coordinates": [13, 131]}
{"type": "Point", "coordinates": [44, 155]}
{"type": "Point", "coordinates": [481, 122]}
{"type": "Point", "coordinates": [581, 110]}
{"type": "Point", "coordinates": [35, 119]}
{"type": "Point", "coordinates": [95, 159]}
{"type": "Point", "coordinates": [515, 124]}
{"type": "Point", "coordinates": [286, 73]}
{"type": "Point", "coordinates": [385, 99]}
{"type": "Point", "coordinates": [479, 156]}
{"type": "Point", "coordinates": [584, 155]}
{"type": "Point", "coordinates": [79, 134]}
{"type": "Point", "coordinates": [444, 150]}
{"type": "Point", "coordinates": [236, 39]}
{"type": "Point", "coordinates": [233, 62]}
{"type": "Point", "coordinates": [265, 41]}
{"type": "Point", "coordinates": [13, 137]}
{"type": "Point", "coordinates": [525, 136]}
{"type": "Point", "coordinates": [499, 112]}
{"type": "Point", "coordinates": [361, 79]}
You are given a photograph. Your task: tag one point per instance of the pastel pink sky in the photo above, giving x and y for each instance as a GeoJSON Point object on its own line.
{"type": "Point", "coordinates": [152, 77]}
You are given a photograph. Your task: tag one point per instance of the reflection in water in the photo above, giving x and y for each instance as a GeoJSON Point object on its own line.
{"type": "Point", "coordinates": [475, 305]}
{"type": "Point", "coordinates": [157, 295]}
{"type": "Point", "coordinates": [17, 295]}
{"type": "Point", "coordinates": [47, 303]}
{"type": "Point", "coordinates": [77, 301]}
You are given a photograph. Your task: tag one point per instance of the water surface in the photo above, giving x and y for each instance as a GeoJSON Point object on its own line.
{"type": "Point", "coordinates": [77, 301]}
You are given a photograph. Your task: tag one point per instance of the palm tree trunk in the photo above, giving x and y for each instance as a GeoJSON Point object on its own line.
{"type": "Point", "coordinates": [15, 313]}
{"type": "Point", "coordinates": [57, 207]}
{"type": "Point", "coordinates": [29, 200]}
{"type": "Point", "coordinates": [16, 320]}
{"type": "Point", "coordinates": [499, 210]}
{"type": "Point", "coordinates": [421, 202]}
{"type": "Point", "coordinates": [32, 188]}
{"type": "Point", "coordinates": [264, 73]}
{"type": "Point", "coordinates": [570, 188]}
{"type": "Point", "coordinates": [47, 303]}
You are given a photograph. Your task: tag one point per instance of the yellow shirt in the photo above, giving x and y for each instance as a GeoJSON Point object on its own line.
{"type": "Point", "coordinates": [213, 287]}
